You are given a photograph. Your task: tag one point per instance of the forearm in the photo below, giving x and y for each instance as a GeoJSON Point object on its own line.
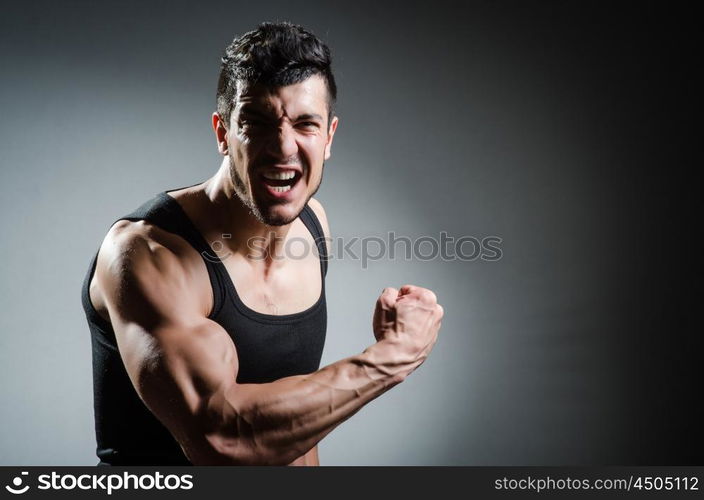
{"type": "Point", "coordinates": [308, 459]}
{"type": "Point", "coordinates": [280, 421]}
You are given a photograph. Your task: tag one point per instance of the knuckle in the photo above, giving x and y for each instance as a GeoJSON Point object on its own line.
{"type": "Point", "coordinates": [428, 295]}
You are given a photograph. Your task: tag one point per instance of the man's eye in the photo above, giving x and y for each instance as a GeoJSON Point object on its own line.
{"type": "Point", "coordinates": [252, 126]}
{"type": "Point", "coordinates": [307, 124]}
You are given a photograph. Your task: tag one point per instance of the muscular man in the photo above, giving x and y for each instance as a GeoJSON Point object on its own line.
{"type": "Point", "coordinates": [209, 353]}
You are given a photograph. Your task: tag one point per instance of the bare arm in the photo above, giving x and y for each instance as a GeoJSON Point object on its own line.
{"type": "Point", "coordinates": [184, 366]}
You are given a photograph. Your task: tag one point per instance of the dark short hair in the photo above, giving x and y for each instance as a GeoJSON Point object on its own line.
{"type": "Point", "coordinates": [275, 55]}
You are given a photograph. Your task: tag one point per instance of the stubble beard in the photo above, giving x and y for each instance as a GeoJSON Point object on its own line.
{"type": "Point", "coordinates": [248, 201]}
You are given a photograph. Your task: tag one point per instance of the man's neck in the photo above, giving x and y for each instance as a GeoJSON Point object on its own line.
{"type": "Point", "coordinates": [240, 231]}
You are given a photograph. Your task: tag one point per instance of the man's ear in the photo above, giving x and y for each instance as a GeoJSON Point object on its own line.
{"type": "Point", "coordinates": [220, 129]}
{"type": "Point", "coordinates": [331, 133]}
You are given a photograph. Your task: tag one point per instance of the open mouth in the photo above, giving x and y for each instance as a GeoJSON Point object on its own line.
{"type": "Point", "coordinates": [281, 181]}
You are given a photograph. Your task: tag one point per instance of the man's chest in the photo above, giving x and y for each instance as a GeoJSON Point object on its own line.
{"type": "Point", "coordinates": [283, 288]}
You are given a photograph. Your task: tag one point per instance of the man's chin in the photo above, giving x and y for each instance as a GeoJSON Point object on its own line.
{"type": "Point", "coordinates": [279, 214]}
{"type": "Point", "coordinates": [278, 221]}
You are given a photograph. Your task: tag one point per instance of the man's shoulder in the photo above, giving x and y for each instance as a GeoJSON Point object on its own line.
{"type": "Point", "coordinates": [140, 263]}
{"type": "Point", "coordinates": [138, 246]}
{"type": "Point", "coordinates": [124, 235]}
{"type": "Point", "coordinates": [317, 207]}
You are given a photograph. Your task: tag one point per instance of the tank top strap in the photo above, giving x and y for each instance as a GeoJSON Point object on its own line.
{"type": "Point", "coordinates": [311, 221]}
{"type": "Point", "coordinates": [165, 212]}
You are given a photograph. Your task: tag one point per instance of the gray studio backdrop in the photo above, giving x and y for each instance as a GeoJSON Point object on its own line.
{"type": "Point", "coordinates": [506, 121]}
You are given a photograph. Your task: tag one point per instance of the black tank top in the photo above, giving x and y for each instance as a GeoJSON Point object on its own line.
{"type": "Point", "coordinates": [269, 347]}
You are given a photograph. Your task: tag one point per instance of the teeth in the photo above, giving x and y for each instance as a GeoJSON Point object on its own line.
{"type": "Point", "coordinates": [280, 189]}
{"type": "Point", "coordinates": [280, 176]}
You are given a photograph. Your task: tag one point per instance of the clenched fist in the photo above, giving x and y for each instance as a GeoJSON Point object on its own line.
{"type": "Point", "coordinates": [409, 319]}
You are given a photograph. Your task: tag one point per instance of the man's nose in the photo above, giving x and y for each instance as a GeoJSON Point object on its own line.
{"type": "Point", "coordinates": [283, 143]}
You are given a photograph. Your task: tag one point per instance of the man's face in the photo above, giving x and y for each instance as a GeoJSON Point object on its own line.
{"type": "Point", "coordinates": [277, 142]}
